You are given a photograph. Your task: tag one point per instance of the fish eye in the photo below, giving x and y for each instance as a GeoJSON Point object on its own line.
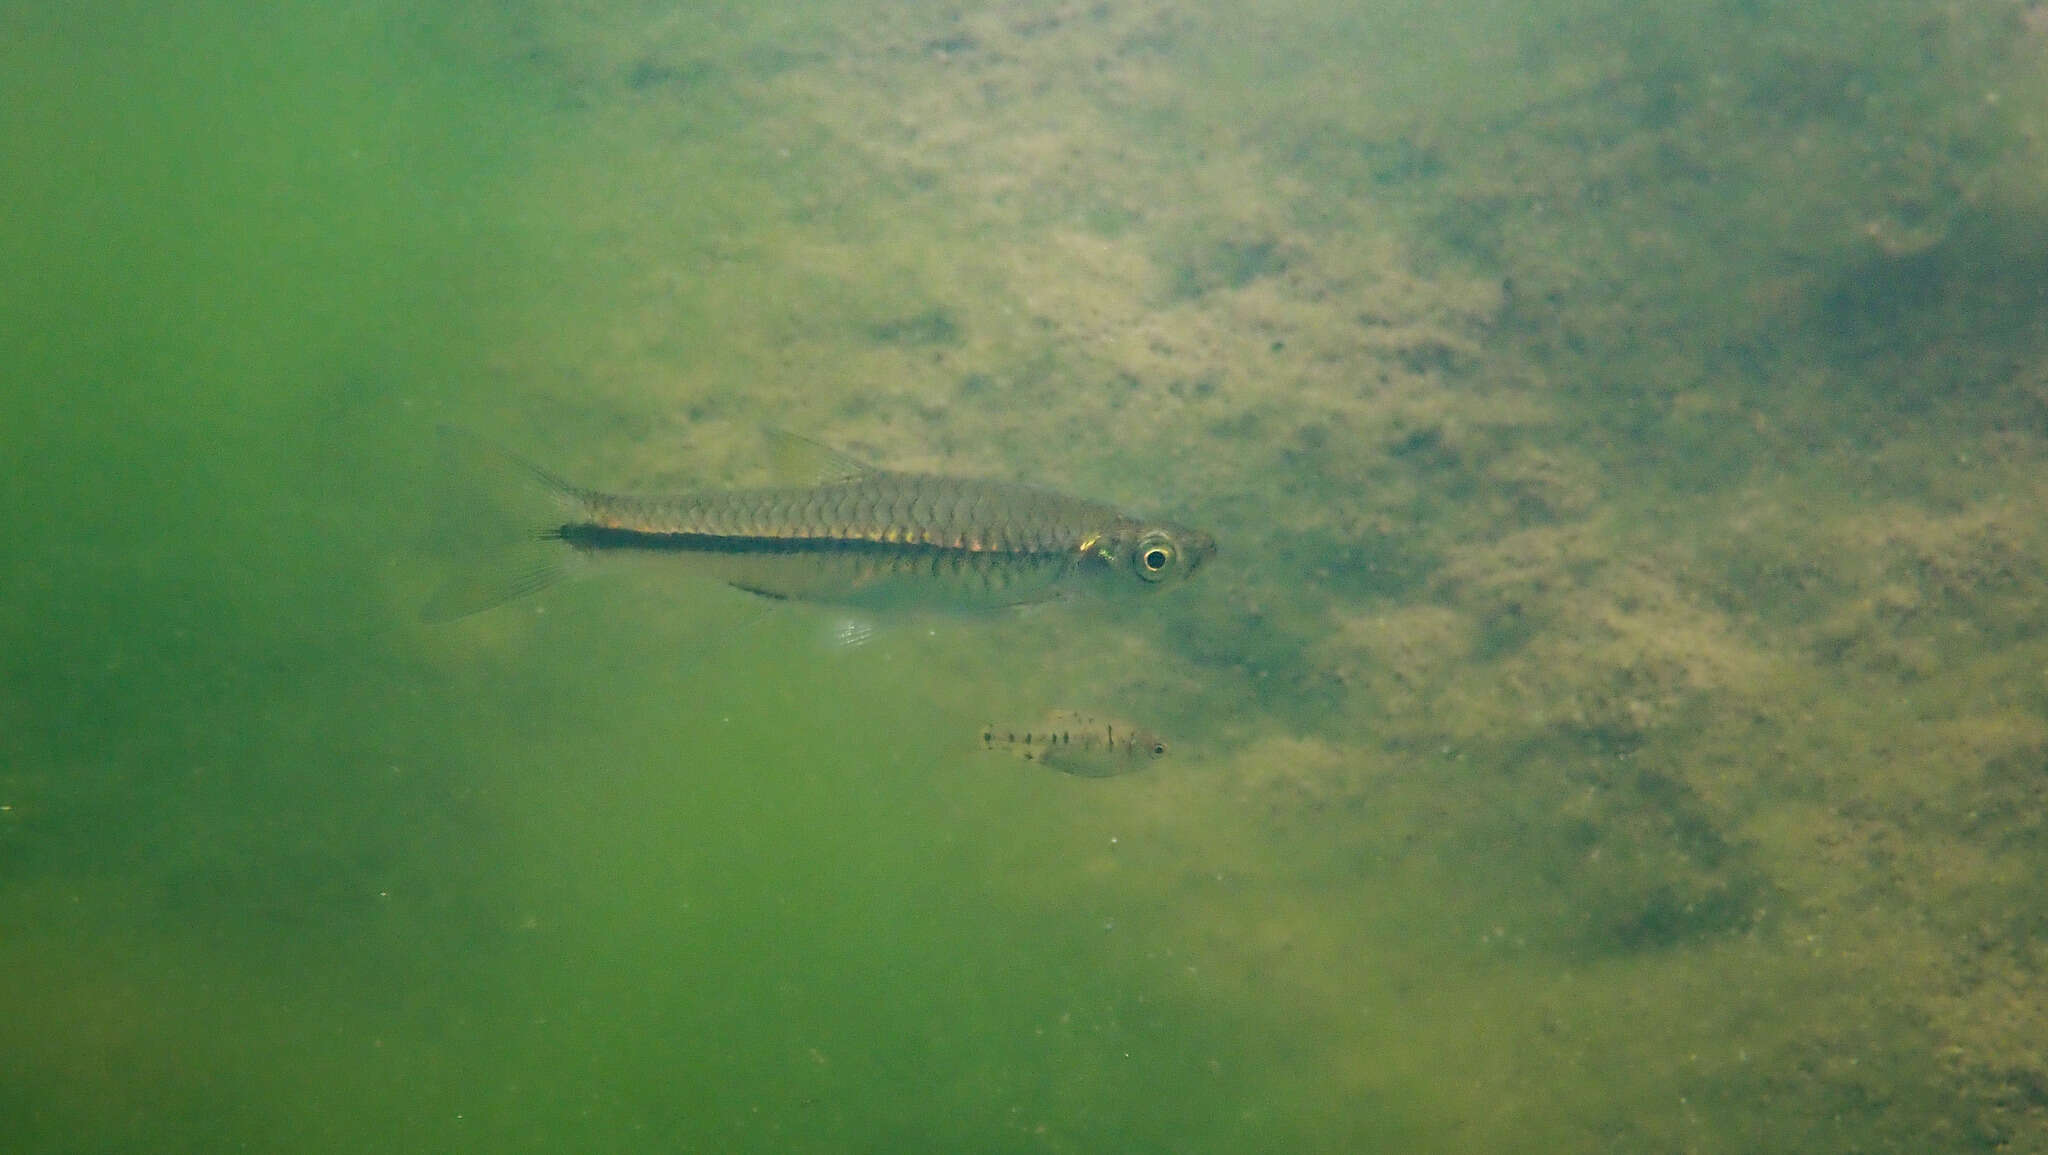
{"type": "Point", "coordinates": [1158, 749]}
{"type": "Point", "coordinates": [1155, 555]}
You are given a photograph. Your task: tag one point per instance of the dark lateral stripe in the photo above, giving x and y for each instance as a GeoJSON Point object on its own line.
{"type": "Point", "coordinates": [584, 535]}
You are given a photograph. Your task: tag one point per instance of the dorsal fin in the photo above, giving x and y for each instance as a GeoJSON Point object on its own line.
{"type": "Point", "coordinates": [797, 460]}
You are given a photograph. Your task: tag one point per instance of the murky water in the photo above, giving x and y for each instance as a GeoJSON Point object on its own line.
{"type": "Point", "coordinates": [1616, 720]}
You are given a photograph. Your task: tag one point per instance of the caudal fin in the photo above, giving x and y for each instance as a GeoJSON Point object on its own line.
{"type": "Point", "coordinates": [497, 519]}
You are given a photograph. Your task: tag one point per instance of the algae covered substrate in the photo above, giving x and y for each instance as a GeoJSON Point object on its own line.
{"type": "Point", "coordinates": [1616, 718]}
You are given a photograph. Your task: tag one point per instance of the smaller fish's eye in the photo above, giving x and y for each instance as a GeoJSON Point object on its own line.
{"type": "Point", "coordinates": [1155, 559]}
{"type": "Point", "coordinates": [1159, 749]}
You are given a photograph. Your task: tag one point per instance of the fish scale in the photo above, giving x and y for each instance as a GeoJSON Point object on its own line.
{"type": "Point", "coordinates": [886, 509]}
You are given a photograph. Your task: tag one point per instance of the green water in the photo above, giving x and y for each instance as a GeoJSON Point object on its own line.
{"type": "Point", "coordinates": [1617, 720]}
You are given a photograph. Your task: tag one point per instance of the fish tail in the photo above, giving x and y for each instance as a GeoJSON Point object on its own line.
{"type": "Point", "coordinates": [498, 519]}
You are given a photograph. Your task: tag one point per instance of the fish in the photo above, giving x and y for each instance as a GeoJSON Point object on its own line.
{"type": "Point", "coordinates": [852, 535]}
{"type": "Point", "coordinates": [1078, 743]}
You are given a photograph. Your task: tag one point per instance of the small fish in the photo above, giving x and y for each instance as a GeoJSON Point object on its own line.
{"type": "Point", "coordinates": [1073, 742]}
{"type": "Point", "coordinates": [855, 535]}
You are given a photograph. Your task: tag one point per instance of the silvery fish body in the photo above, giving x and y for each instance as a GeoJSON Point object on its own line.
{"type": "Point", "coordinates": [859, 536]}
{"type": "Point", "coordinates": [1079, 743]}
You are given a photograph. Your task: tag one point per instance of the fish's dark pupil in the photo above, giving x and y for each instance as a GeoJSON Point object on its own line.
{"type": "Point", "coordinates": [1155, 559]}
{"type": "Point", "coordinates": [1158, 748]}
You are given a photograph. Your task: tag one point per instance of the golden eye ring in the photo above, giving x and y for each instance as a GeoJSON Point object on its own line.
{"type": "Point", "coordinates": [1155, 556]}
